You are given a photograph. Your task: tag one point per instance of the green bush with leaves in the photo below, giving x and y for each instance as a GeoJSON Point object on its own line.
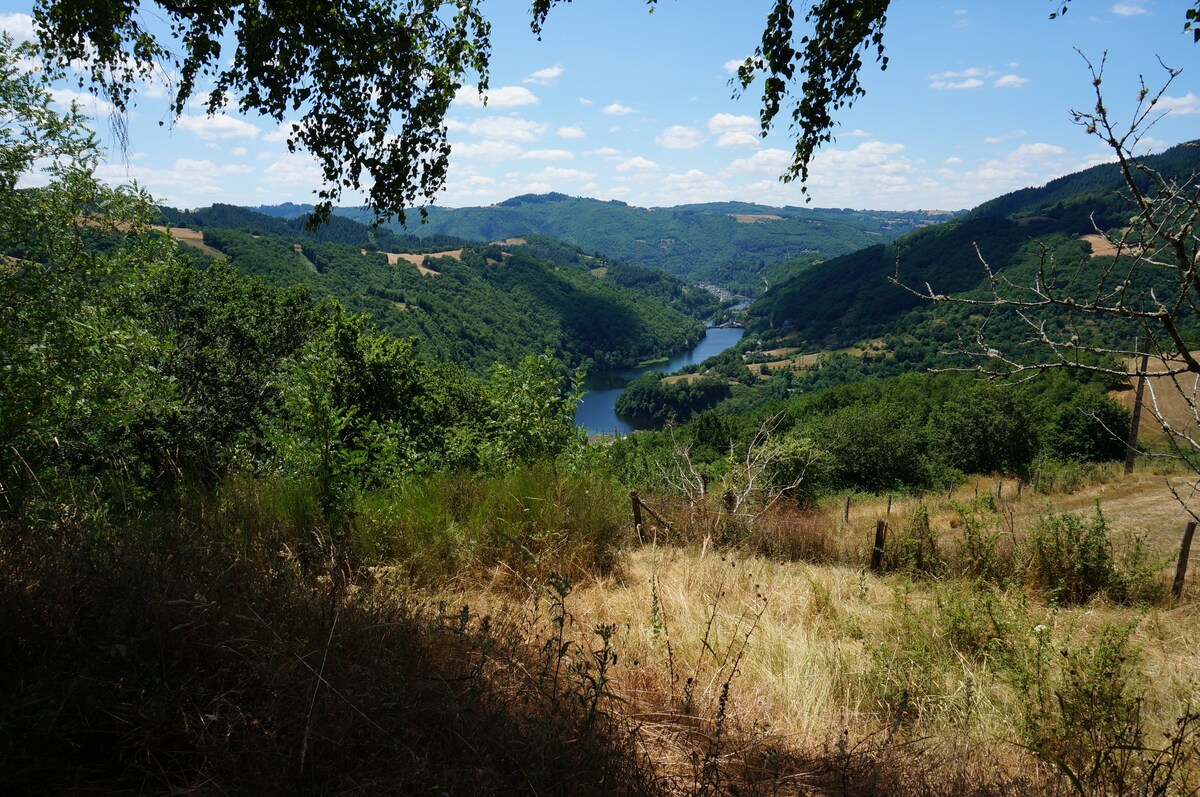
{"type": "Point", "coordinates": [1082, 708]}
{"type": "Point", "coordinates": [78, 383]}
{"type": "Point", "coordinates": [1071, 558]}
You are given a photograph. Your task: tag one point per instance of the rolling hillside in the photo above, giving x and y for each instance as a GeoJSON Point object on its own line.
{"type": "Point", "coordinates": [852, 298]}
{"type": "Point", "coordinates": [731, 244]}
{"type": "Point", "coordinates": [473, 304]}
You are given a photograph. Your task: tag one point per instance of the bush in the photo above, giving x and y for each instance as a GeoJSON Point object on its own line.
{"type": "Point", "coordinates": [1072, 559]}
{"type": "Point", "coordinates": [1082, 708]}
{"type": "Point", "coordinates": [914, 549]}
{"type": "Point", "coordinates": [532, 519]}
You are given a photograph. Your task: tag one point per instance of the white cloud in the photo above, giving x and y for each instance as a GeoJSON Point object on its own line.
{"type": "Point", "coordinates": [186, 180]}
{"type": "Point", "coordinates": [294, 170]}
{"type": "Point", "coordinates": [281, 133]}
{"type": "Point", "coordinates": [508, 128]}
{"type": "Point", "coordinates": [545, 77]}
{"type": "Point", "coordinates": [974, 71]}
{"type": "Point", "coordinates": [996, 139]}
{"type": "Point", "coordinates": [218, 127]}
{"type": "Point", "coordinates": [733, 64]}
{"type": "Point", "coordinates": [1186, 105]}
{"type": "Point", "coordinates": [209, 168]}
{"type": "Point", "coordinates": [766, 161]}
{"type": "Point", "coordinates": [694, 185]}
{"type": "Point", "coordinates": [1148, 145]}
{"type": "Point", "coordinates": [1027, 165]}
{"type": "Point", "coordinates": [616, 109]}
{"type": "Point", "coordinates": [953, 160]}
{"type": "Point", "coordinates": [584, 101]}
{"type": "Point", "coordinates": [734, 130]}
{"type": "Point", "coordinates": [1038, 150]}
{"type": "Point", "coordinates": [85, 102]}
{"type": "Point", "coordinates": [680, 137]}
{"type": "Point", "coordinates": [1128, 9]}
{"type": "Point", "coordinates": [603, 152]}
{"type": "Point", "coordinates": [548, 155]}
{"type": "Point", "coordinates": [238, 152]}
{"type": "Point", "coordinates": [969, 83]}
{"type": "Point", "coordinates": [19, 26]}
{"type": "Point", "coordinates": [965, 79]}
{"type": "Point", "coordinates": [486, 150]}
{"type": "Point", "coordinates": [636, 164]}
{"type": "Point", "coordinates": [1010, 82]}
{"type": "Point", "coordinates": [571, 131]}
{"type": "Point", "coordinates": [497, 98]}
{"type": "Point", "coordinates": [555, 174]}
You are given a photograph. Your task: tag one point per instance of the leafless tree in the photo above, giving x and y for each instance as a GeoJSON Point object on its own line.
{"type": "Point", "coordinates": [1149, 280]}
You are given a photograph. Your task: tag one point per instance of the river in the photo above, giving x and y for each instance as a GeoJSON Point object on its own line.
{"type": "Point", "coordinates": [596, 413]}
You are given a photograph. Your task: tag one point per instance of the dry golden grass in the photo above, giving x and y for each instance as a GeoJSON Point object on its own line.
{"type": "Point", "coordinates": [419, 260]}
{"type": "Point", "coordinates": [806, 639]}
{"type": "Point", "coordinates": [676, 378]}
{"type": "Point", "coordinates": [192, 238]}
{"type": "Point", "coordinates": [797, 655]}
{"type": "Point", "coordinates": [754, 218]}
{"type": "Point", "coordinates": [1101, 246]}
{"type": "Point", "coordinates": [1169, 398]}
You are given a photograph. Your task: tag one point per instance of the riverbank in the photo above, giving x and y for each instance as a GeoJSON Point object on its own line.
{"type": "Point", "coordinates": [597, 413]}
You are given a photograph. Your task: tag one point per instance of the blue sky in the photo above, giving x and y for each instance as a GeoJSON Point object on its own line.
{"type": "Point", "coordinates": [618, 103]}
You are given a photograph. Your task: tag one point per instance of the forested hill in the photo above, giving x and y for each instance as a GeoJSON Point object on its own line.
{"type": "Point", "coordinates": [850, 298]}
{"type": "Point", "coordinates": [731, 244]}
{"type": "Point", "coordinates": [474, 304]}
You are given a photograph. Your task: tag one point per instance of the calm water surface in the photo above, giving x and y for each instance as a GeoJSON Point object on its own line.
{"type": "Point", "coordinates": [596, 412]}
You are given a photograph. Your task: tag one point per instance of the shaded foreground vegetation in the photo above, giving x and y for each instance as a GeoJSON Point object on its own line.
{"type": "Point", "coordinates": [510, 634]}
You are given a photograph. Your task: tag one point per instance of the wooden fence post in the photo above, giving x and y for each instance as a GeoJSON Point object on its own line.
{"type": "Point", "coordinates": [889, 509]}
{"type": "Point", "coordinates": [1185, 549]}
{"type": "Point", "coordinates": [877, 550]}
{"type": "Point", "coordinates": [1135, 421]}
{"type": "Point", "coordinates": [1020, 484]}
{"type": "Point", "coordinates": [846, 514]}
{"type": "Point", "coordinates": [637, 511]}
{"type": "Point", "coordinates": [999, 489]}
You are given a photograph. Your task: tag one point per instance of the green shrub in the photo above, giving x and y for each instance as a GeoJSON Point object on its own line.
{"type": "Point", "coordinates": [914, 549]}
{"type": "Point", "coordinates": [1082, 707]}
{"type": "Point", "coordinates": [979, 555]}
{"type": "Point", "coordinates": [1071, 557]}
{"type": "Point", "coordinates": [533, 519]}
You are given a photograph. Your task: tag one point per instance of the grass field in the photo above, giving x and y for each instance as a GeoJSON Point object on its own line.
{"type": "Point", "coordinates": [192, 238]}
{"type": "Point", "coordinates": [419, 260]}
{"type": "Point", "coordinates": [515, 635]}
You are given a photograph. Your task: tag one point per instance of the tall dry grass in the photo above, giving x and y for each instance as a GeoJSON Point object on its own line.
{"type": "Point", "coordinates": [233, 643]}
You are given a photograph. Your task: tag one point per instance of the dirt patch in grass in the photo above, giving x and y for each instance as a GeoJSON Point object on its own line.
{"type": "Point", "coordinates": [1106, 246]}
{"type": "Point", "coordinates": [1101, 246]}
{"type": "Point", "coordinates": [419, 260]}
{"type": "Point", "coordinates": [689, 378]}
{"type": "Point", "coordinates": [754, 218]}
{"type": "Point", "coordinates": [1165, 397]}
{"type": "Point", "coordinates": [192, 238]}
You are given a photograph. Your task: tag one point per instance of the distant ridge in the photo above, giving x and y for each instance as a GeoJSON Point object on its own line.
{"type": "Point", "coordinates": [711, 242]}
{"type": "Point", "coordinates": [851, 298]}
